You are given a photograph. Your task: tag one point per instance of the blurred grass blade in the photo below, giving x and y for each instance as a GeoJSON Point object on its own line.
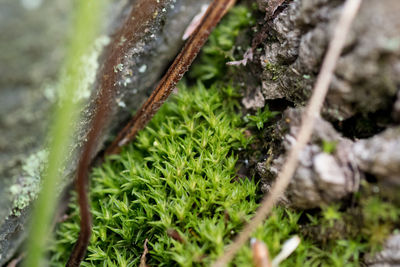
{"type": "Point", "coordinates": [85, 27]}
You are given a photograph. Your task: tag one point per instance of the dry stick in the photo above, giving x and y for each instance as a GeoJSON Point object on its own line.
{"type": "Point", "coordinates": [311, 114]}
{"type": "Point", "coordinates": [213, 15]}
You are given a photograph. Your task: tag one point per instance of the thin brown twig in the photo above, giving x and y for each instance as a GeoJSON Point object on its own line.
{"type": "Point", "coordinates": [213, 15]}
{"type": "Point", "coordinates": [311, 113]}
{"type": "Point", "coordinates": [133, 30]}
{"type": "Point", "coordinates": [143, 257]}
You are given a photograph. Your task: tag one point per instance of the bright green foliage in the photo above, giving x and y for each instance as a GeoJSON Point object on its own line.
{"type": "Point", "coordinates": [329, 146]}
{"type": "Point", "coordinates": [219, 47]}
{"type": "Point", "coordinates": [177, 175]}
{"type": "Point", "coordinates": [180, 174]}
{"type": "Point", "coordinates": [260, 117]}
{"type": "Point", "coordinates": [283, 224]}
{"type": "Point", "coordinates": [331, 214]}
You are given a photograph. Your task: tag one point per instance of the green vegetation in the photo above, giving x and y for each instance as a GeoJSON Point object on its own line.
{"type": "Point", "coordinates": [176, 185]}
{"type": "Point", "coordinates": [329, 147]}
{"type": "Point", "coordinates": [177, 175]}
{"type": "Point", "coordinates": [220, 46]}
{"type": "Point", "coordinates": [260, 118]}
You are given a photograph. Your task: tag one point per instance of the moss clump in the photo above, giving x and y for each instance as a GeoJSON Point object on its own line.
{"type": "Point", "coordinates": [177, 175]}
{"type": "Point", "coordinates": [352, 230]}
{"type": "Point", "coordinates": [329, 147]}
{"type": "Point", "coordinates": [178, 181]}
{"type": "Point", "coordinates": [275, 70]}
{"type": "Point", "coordinates": [260, 118]}
{"type": "Point", "coordinates": [220, 45]}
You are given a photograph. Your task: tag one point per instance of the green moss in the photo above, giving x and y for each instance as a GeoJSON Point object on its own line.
{"type": "Point", "coordinates": [376, 219]}
{"type": "Point", "coordinates": [275, 70]}
{"type": "Point", "coordinates": [329, 147]}
{"type": "Point", "coordinates": [179, 176]}
{"type": "Point", "coordinates": [219, 48]}
{"type": "Point", "coordinates": [260, 118]}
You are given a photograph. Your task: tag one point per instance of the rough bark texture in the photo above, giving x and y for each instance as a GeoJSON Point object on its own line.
{"type": "Point", "coordinates": [36, 48]}
{"type": "Point", "coordinates": [358, 134]}
{"type": "Point", "coordinates": [365, 84]}
{"type": "Point", "coordinates": [322, 177]}
{"type": "Point", "coordinates": [367, 77]}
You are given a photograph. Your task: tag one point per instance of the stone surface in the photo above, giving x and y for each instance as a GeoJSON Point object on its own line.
{"type": "Point", "coordinates": [31, 52]}
{"type": "Point", "coordinates": [322, 177]}
{"type": "Point", "coordinates": [368, 72]}
{"type": "Point", "coordinates": [380, 155]}
{"type": "Point", "coordinates": [364, 96]}
{"type": "Point", "coordinates": [389, 256]}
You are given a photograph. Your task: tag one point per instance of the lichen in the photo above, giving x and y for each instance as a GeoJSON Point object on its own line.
{"type": "Point", "coordinates": [89, 67]}
{"type": "Point", "coordinates": [86, 72]}
{"type": "Point", "coordinates": [27, 187]}
{"type": "Point", "coordinates": [31, 4]}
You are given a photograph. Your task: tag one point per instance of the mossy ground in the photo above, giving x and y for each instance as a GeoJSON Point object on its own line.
{"type": "Point", "coordinates": [176, 185]}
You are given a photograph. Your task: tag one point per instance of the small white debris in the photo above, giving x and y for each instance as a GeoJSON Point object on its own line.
{"type": "Point", "coordinates": [194, 23]}
{"type": "Point", "coordinates": [121, 104]}
{"type": "Point", "coordinates": [143, 69]}
{"type": "Point", "coordinates": [288, 247]}
{"type": "Point", "coordinates": [123, 142]}
{"type": "Point", "coordinates": [119, 67]}
{"type": "Point", "coordinates": [248, 56]}
{"type": "Point", "coordinates": [127, 81]}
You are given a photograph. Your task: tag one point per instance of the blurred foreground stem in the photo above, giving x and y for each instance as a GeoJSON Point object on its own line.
{"type": "Point", "coordinates": [65, 114]}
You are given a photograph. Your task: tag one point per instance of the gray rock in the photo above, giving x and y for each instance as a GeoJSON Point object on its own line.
{"type": "Point", "coordinates": [322, 177]}
{"type": "Point", "coordinates": [368, 71]}
{"type": "Point", "coordinates": [380, 155]}
{"type": "Point", "coordinates": [396, 108]}
{"type": "Point", "coordinates": [390, 254]}
{"type": "Point", "coordinates": [31, 52]}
